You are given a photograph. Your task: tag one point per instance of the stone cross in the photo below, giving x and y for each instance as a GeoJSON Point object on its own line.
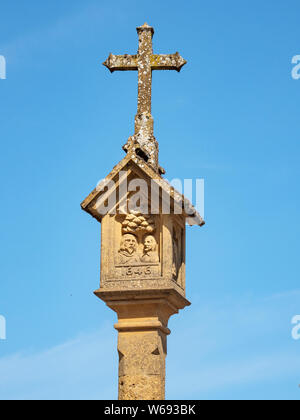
{"type": "Point", "coordinates": [144, 62]}
{"type": "Point", "coordinates": [142, 252]}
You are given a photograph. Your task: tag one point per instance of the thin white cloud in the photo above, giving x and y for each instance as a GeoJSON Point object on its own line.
{"type": "Point", "coordinates": [285, 294]}
{"type": "Point", "coordinates": [83, 368]}
{"type": "Point", "coordinates": [213, 348]}
{"type": "Point", "coordinates": [259, 369]}
{"type": "Point", "coordinates": [235, 343]}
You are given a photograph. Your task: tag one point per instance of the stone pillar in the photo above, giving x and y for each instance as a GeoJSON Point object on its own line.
{"type": "Point", "coordinates": [141, 364]}
{"type": "Point", "coordinates": [142, 255]}
{"type": "Point", "coordinates": [142, 340]}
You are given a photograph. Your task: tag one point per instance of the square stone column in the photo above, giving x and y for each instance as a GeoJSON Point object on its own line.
{"type": "Point", "coordinates": [142, 340]}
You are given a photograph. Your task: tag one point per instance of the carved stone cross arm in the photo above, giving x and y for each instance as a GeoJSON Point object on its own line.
{"type": "Point", "coordinates": [127, 62]}
{"type": "Point", "coordinates": [167, 61]}
{"type": "Point", "coordinates": [121, 62]}
{"type": "Point", "coordinates": [144, 62]}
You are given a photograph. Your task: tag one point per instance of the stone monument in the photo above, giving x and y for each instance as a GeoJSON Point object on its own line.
{"type": "Point", "coordinates": [143, 222]}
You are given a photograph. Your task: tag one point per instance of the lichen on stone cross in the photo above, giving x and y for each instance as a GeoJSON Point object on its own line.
{"type": "Point", "coordinates": [143, 142]}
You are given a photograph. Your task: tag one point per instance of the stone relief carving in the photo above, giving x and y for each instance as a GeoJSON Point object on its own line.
{"type": "Point", "coordinates": [138, 244]}
{"type": "Point", "coordinates": [150, 254]}
{"type": "Point", "coordinates": [138, 223]}
{"type": "Point", "coordinates": [128, 249]}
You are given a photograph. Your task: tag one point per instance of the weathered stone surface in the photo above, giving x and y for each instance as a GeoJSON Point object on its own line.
{"type": "Point", "coordinates": [142, 341]}
{"type": "Point", "coordinates": [144, 61]}
{"type": "Point", "coordinates": [142, 277]}
{"type": "Point", "coordinates": [125, 261]}
{"type": "Point", "coordinates": [141, 387]}
{"type": "Point", "coordinates": [142, 251]}
{"type": "Point", "coordinates": [135, 166]}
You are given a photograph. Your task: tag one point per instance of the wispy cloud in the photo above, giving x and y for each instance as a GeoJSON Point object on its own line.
{"type": "Point", "coordinates": [259, 369]}
{"type": "Point", "coordinates": [228, 345]}
{"type": "Point", "coordinates": [234, 344]}
{"type": "Point", "coordinates": [83, 368]}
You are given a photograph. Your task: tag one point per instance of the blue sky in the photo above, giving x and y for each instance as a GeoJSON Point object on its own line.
{"type": "Point", "coordinates": [231, 117]}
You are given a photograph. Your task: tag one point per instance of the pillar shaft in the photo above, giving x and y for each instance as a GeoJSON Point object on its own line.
{"type": "Point", "coordinates": [142, 339]}
{"type": "Point", "coordinates": [141, 365]}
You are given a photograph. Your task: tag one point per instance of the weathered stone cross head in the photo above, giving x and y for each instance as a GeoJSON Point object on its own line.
{"type": "Point", "coordinates": [143, 142]}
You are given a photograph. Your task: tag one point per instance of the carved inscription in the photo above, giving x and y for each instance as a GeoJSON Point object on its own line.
{"type": "Point", "coordinates": [140, 271]}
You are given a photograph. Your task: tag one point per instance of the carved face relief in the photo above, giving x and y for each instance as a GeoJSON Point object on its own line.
{"type": "Point", "coordinates": [137, 254]}
{"type": "Point", "coordinates": [150, 253]}
{"type": "Point", "coordinates": [149, 243]}
{"type": "Point", "coordinates": [128, 249]}
{"type": "Point", "coordinates": [128, 244]}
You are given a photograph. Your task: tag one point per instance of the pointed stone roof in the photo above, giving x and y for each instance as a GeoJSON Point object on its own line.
{"type": "Point", "coordinates": [134, 161]}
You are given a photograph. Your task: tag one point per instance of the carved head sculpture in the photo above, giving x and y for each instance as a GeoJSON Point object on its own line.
{"type": "Point", "coordinates": [150, 244]}
{"type": "Point", "coordinates": [150, 254]}
{"type": "Point", "coordinates": [128, 243]}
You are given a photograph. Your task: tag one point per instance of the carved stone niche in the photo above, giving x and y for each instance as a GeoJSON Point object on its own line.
{"type": "Point", "coordinates": [141, 249]}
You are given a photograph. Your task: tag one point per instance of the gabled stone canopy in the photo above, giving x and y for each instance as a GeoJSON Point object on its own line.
{"type": "Point", "coordinates": [133, 164]}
